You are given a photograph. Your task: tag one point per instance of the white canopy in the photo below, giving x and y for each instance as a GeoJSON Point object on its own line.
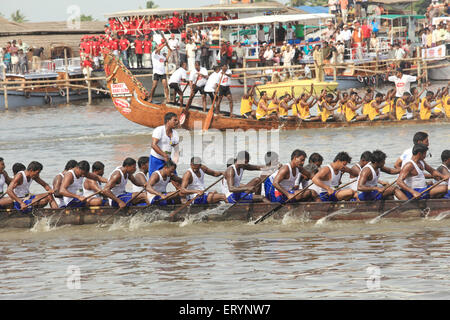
{"type": "Point", "coordinates": [297, 18]}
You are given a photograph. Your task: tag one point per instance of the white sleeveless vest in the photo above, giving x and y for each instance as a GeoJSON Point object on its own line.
{"type": "Point", "coordinates": [137, 188]}
{"type": "Point", "coordinates": [121, 187]}
{"type": "Point", "coordinates": [375, 177]}
{"type": "Point", "coordinates": [198, 183]}
{"type": "Point", "coordinates": [287, 184]}
{"type": "Point", "coordinates": [23, 190]}
{"type": "Point", "coordinates": [354, 185]}
{"type": "Point", "coordinates": [161, 185]}
{"type": "Point", "coordinates": [418, 181]}
{"type": "Point", "coordinates": [2, 182]}
{"type": "Point", "coordinates": [333, 182]}
{"type": "Point", "coordinates": [76, 187]}
{"type": "Point", "coordinates": [237, 181]}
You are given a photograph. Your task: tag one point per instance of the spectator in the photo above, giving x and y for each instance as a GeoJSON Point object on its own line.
{"type": "Point", "coordinates": [36, 63]}
{"type": "Point", "coordinates": [366, 31]}
{"type": "Point", "coordinates": [240, 51]}
{"type": "Point", "coordinates": [375, 27]}
{"type": "Point", "coordinates": [191, 50]}
{"type": "Point", "coordinates": [139, 50]}
{"type": "Point", "coordinates": [281, 34]}
{"type": "Point", "coordinates": [300, 32]}
{"type": "Point", "coordinates": [246, 41]}
{"type": "Point", "coordinates": [268, 56]}
{"type": "Point", "coordinates": [288, 56]}
{"type": "Point", "coordinates": [174, 46]}
{"type": "Point", "coordinates": [357, 39]}
{"type": "Point", "coordinates": [332, 6]}
{"type": "Point", "coordinates": [344, 10]}
{"type": "Point", "coordinates": [261, 35]}
{"type": "Point", "coordinates": [204, 55]}
{"type": "Point", "coordinates": [215, 35]}
{"type": "Point", "coordinates": [340, 48]}
{"type": "Point", "coordinates": [7, 59]}
{"type": "Point", "coordinates": [318, 63]}
{"type": "Point", "coordinates": [364, 5]}
{"type": "Point", "coordinates": [223, 54]}
{"type": "Point", "coordinates": [289, 33]}
{"type": "Point", "coordinates": [229, 53]}
{"type": "Point", "coordinates": [124, 44]}
{"type": "Point", "coordinates": [22, 45]}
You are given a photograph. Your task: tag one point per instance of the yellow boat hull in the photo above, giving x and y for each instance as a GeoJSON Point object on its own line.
{"type": "Point", "coordinates": [300, 86]}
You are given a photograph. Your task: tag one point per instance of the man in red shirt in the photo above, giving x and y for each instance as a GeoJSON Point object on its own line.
{"type": "Point", "coordinates": [147, 43]}
{"type": "Point", "coordinates": [146, 26]}
{"type": "Point", "coordinates": [366, 31]}
{"type": "Point", "coordinates": [114, 43]}
{"type": "Point", "coordinates": [138, 49]}
{"type": "Point", "coordinates": [229, 53]}
{"type": "Point", "coordinates": [124, 44]}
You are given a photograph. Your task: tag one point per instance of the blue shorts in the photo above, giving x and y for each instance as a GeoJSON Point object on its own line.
{"type": "Point", "coordinates": [242, 197]}
{"type": "Point", "coordinates": [370, 196]}
{"type": "Point", "coordinates": [325, 197]}
{"type": "Point", "coordinates": [156, 164]}
{"type": "Point", "coordinates": [162, 202]}
{"type": "Point", "coordinates": [27, 202]}
{"type": "Point", "coordinates": [447, 195]}
{"type": "Point", "coordinates": [273, 194]}
{"type": "Point", "coordinates": [202, 199]}
{"type": "Point", "coordinates": [125, 197]}
{"type": "Point", "coordinates": [426, 195]}
{"type": "Point", "coordinates": [75, 203]}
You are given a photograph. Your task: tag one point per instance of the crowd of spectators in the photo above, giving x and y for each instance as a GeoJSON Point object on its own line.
{"type": "Point", "coordinates": [19, 58]}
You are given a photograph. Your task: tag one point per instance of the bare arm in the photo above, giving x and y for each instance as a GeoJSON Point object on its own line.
{"type": "Point", "coordinates": [158, 149]}
{"type": "Point", "coordinates": [66, 182]}
{"type": "Point", "coordinates": [151, 182]}
{"type": "Point", "coordinates": [322, 175]}
{"type": "Point", "coordinates": [16, 181]}
{"type": "Point", "coordinates": [405, 173]}
{"type": "Point", "coordinates": [186, 181]}
{"type": "Point", "coordinates": [115, 178]}
{"type": "Point", "coordinates": [282, 174]}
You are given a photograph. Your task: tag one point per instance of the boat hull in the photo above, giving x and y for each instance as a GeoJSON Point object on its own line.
{"type": "Point", "coordinates": [349, 211]}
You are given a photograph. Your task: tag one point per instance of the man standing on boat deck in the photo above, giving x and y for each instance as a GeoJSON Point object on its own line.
{"type": "Point", "coordinates": [115, 188]}
{"type": "Point", "coordinates": [197, 82]}
{"type": "Point", "coordinates": [159, 70]}
{"type": "Point", "coordinates": [280, 186]}
{"type": "Point", "coordinates": [403, 81]}
{"type": "Point", "coordinates": [19, 188]}
{"type": "Point", "coordinates": [419, 138]}
{"type": "Point", "coordinates": [329, 177]}
{"type": "Point", "coordinates": [165, 141]}
{"type": "Point", "coordinates": [368, 180]}
{"type": "Point", "coordinates": [193, 183]}
{"type": "Point", "coordinates": [231, 185]}
{"type": "Point", "coordinates": [72, 185]}
{"type": "Point", "coordinates": [411, 179]}
{"type": "Point", "coordinates": [318, 63]}
{"type": "Point", "coordinates": [224, 89]}
{"type": "Point", "coordinates": [175, 81]}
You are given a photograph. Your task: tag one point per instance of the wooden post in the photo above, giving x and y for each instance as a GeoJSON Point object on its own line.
{"type": "Point", "coordinates": [334, 72]}
{"type": "Point", "coordinates": [67, 76]}
{"type": "Point", "coordinates": [419, 66]}
{"type": "Point", "coordinates": [244, 65]}
{"type": "Point", "coordinates": [89, 89]}
{"type": "Point", "coordinates": [5, 90]}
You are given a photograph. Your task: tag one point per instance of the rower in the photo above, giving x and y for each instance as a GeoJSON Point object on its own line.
{"type": "Point", "coordinates": [444, 168]}
{"type": "Point", "coordinates": [165, 140]}
{"type": "Point", "coordinates": [17, 167]}
{"type": "Point", "coordinates": [368, 181]}
{"type": "Point", "coordinates": [328, 106]}
{"type": "Point", "coordinates": [212, 83]}
{"type": "Point", "coordinates": [427, 104]}
{"type": "Point", "coordinates": [366, 156]}
{"type": "Point", "coordinates": [224, 89]}
{"type": "Point", "coordinates": [314, 164]}
{"type": "Point", "coordinates": [5, 202]}
{"type": "Point", "coordinates": [19, 188]}
{"type": "Point", "coordinates": [115, 188]}
{"type": "Point", "coordinates": [416, 100]}
{"type": "Point", "coordinates": [58, 179]}
{"type": "Point", "coordinates": [197, 82]}
{"type": "Point", "coordinates": [367, 99]}
{"type": "Point", "coordinates": [72, 185]}
{"type": "Point", "coordinates": [272, 162]}
{"type": "Point", "coordinates": [284, 106]}
{"type": "Point", "coordinates": [401, 107]}
{"type": "Point", "coordinates": [302, 107]}
{"type": "Point", "coordinates": [193, 183]}
{"type": "Point", "coordinates": [329, 177]}
{"type": "Point", "coordinates": [419, 138]}
{"type": "Point", "coordinates": [157, 185]}
{"type": "Point", "coordinates": [231, 185]}
{"type": "Point", "coordinates": [142, 174]}
{"type": "Point", "coordinates": [412, 179]}
{"type": "Point", "coordinates": [175, 80]}
{"type": "Point", "coordinates": [376, 108]}
{"type": "Point", "coordinates": [247, 103]}
{"type": "Point", "coordinates": [92, 186]}
{"type": "Point", "coordinates": [280, 185]}
{"type": "Point", "coordinates": [159, 71]}
{"type": "Point", "coordinates": [261, 111]}
{"type": "Point", "coordinates": [351, 109]}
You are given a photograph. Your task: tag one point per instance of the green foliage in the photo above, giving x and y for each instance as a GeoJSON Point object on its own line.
{"type": "Point", "coordinates": [151, 5]}
{"type": "Point", "coordinates": [421, 6]}
{"type": "Point", "coordinates": [84, 17]}
{"type": "Point", "coordinates": [18, 17]}
{"type": "Point", "coordinates": [296, 3]}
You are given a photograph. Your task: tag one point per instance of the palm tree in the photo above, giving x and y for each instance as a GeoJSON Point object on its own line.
{"type": "Point", "coordinates": [18, 17]}
{"type": "Point", "coordinates": [151, 5]}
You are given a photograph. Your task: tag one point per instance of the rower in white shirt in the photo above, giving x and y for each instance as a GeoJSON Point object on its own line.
{"type": "Point", "coordinates": [419, 138]}
{"type": "Point", "coordinates": [197, 81]}
{"type": "Point", "coordinates": [175, 81]}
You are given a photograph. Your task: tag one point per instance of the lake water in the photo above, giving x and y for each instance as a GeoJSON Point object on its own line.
{"type": "Point", "coordinates": [287, 259]}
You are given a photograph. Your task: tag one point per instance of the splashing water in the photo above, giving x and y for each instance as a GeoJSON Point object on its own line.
{"type": "Point", "coordinates": [441, 216]}
{"type": "Point", "coordinates": [336, 213]}
{"type": "Point", "coordinates": [43, 224]}
{"type": "Point", "coordinates": [191, 219]}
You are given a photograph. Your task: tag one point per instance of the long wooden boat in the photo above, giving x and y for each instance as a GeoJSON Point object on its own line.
{"type": "Point", "coordinates": [308, 211]}
{"type": "Point", "coordinates": [129, 97]}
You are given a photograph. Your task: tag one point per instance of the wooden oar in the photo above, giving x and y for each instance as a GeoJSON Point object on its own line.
{"type": "Point", "coordinates": [193, 199]}
{"type": "Point", "coordinates": [186, 108]}
{"type": "Point", "coordinates": [35, 201]}
{"type": "Point", "coordinates": [210, 115]}
{"type": "Point", "coordinates": [3, 194]}
{"type": "Point", "coordinates": [345, 185]}
{"type": "Point", "coordinates": [376, 219]}
{"type": "Point", "coordinates": [278, 207]}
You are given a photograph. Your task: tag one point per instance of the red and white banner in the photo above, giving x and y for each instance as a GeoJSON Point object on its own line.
{"type": "Point", "coordinates": [120, 89]}
{"type": "Point", "coordinates": [122, 105]}
{"type": "Point", "coordinates": [434, 53]}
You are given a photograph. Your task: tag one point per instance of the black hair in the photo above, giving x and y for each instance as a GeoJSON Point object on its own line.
{"type": "Point", "coordinates": [230, 162]}
{"type": "Point", "coordinates": [35, 166]}
{"type": "Point", "coordinates": [315, 157]}
{"type": "Point", "coordinates": [169, 117]}
{"type": "Point", "coordinates": [271, 157]}
{"type": "Point", "coordinates": [379, 95]}
{"type": "Point", "coordinates": [419, 148]}
{"type": "Point", "coordinates": [343, 156]}
{"type": "Point", "coordinates": [419, 136]}
{"type": "Point", "coordinates": [298, 153]}
{"type": "Point", "coordinates": [170, 164]}
{"type": "Point", "coordinates": [70, 165]}
{"type": "Point", "coordinates": [261, 93]}
{"type": "Point", "coordinates": [377, 156]}
{"type": "Point", "coordinates": [97, 166]}
{"type": "Point", "coordinates": [429, 93]}
{"type": "Point", "coordinates": [196, 160]}
{"type": "Point", "coordinates": [1, 159]}
{"type": "Point", "coordinates": [366, 156]}
{"type": "Point", "coordinates": [128, 162]}
{"type": "Point", "coordinates": [142, 161]}
{"type": "Point", "coordinates": [243, 155]}
{"type": "Point", "coordinates": [17, 167]}
{"type": "Point", "coordinates": [84, 165]}
{"type": "Point", "coordinates": [329, 95]}
{"type": "Point", "coordinates": [445, 155]}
